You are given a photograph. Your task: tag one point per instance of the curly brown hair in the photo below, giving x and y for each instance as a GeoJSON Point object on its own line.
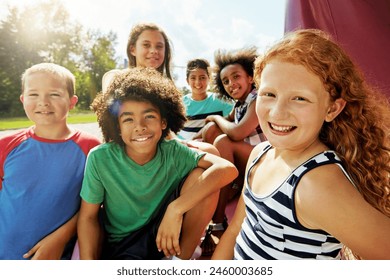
{"type": "Point", "coordinates": [133, 37]}
{"type": "Point", "coordinates": [139, 84]}
{"type": "Point", "coordinates": [360, 133]}
{"type": "Point", "coordinates": [222, 58]}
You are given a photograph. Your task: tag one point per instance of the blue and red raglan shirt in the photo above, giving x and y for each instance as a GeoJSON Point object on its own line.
{"type": "Point", "coordinates": [40, 183]}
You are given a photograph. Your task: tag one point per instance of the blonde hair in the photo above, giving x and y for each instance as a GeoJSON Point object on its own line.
{"type": "Point", "coordinates": [360, 133]}
{"type": "Point", "coordinates": [57, 71]}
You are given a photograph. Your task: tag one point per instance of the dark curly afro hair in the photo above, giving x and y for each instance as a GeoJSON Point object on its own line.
{"type": "Point", "coordinates": [222, 58]}
{"type": "Point", "coordinates": [138, 84]}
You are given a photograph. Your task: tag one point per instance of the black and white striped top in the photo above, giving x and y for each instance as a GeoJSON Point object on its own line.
{"type": "Point", "coordinates": [271, 229]}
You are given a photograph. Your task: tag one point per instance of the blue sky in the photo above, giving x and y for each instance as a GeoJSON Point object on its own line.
{"type": "Point", "coordinates": [196, 28]}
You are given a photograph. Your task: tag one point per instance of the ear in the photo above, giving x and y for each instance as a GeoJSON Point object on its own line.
{"type": "Point", "coordinates": [164, 124]}
{"type": "Point", "coordinates": [335, 109]}
{"type": "Point", "coordinates": [21, 98]}
{"type": "Point", "coordinates": [250, 79]}
{"type": "Point", "coordinates": [73, 101]}
{"type": "Point", "coordinates": [132, 50]}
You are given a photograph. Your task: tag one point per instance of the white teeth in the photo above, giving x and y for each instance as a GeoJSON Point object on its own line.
{"type": "Point", "coordinates": [282, 128]}
{"type": "Point", "coordinates": [140, 139]}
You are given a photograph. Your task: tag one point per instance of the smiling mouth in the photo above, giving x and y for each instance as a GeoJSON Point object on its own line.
{"type": "Point", "coordinates": [141, 139]}
{"type": "Point", "coordinates": [282, 128]}
{"type": "Point", "coordinates": [234, 91]}
{"type": "Point", "coordinates": [44, 113]}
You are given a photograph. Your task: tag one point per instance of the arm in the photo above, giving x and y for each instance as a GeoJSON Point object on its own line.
{"type": "Point", "coordinates": [225, 247]}
{"type": "Point", "coordinates": [52, 246]}
{"type": "Point", "coordinates": [346, 214]}
{"type": "Point", "coordinates": [89, 232]}
{"type": "Point", "coordinates": [217, 173]}
{"type": "Point", "coordinates": [237, 132]}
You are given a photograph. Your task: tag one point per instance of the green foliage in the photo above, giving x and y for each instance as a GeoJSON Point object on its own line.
{"type": "Point", "coordinates": [45, 33]}
{"type": "Point", "coordinates": [22, 122]}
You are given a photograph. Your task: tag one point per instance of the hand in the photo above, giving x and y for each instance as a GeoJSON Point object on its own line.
{"type": "Point", "coordinates": [46, 249]}
{"type": "Point", "coordinates": [168, 233]}
{"type": "Point", "coordinates": [210, 118]}
{"type": "Point", "coordinates": [198, 136]}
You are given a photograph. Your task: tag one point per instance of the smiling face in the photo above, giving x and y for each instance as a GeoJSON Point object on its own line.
{"type": "Point", "coordinates": [237, 83]}
{"type": "Point", "coordinates": [141, 127]}
{"type": "Point", "coordinates": [198, 80]}
{"type": "Point", "coordinates": [292, 105]}
{"type": "Point", "coordinates": [149, 50]}
{"type": "Point", "coordinates": [46, 100]}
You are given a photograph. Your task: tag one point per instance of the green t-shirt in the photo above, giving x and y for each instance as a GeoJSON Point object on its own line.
{"type": "Point", "coordinates": [132, 193]}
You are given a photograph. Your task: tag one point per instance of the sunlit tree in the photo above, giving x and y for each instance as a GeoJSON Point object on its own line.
{"type": "Point", "coordinates": [45, 33]}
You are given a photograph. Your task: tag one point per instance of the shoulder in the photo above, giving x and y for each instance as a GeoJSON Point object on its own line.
{"type": "Point", "coordinates": [8, 142]}
{"type": "Point", "coordinates": [172, 144]}
{"type": "Point", "coordinates": [187, 97]}
{"type": "Point", "coordinates": [325, 187]}
{"type": "Point", "coordinates": [23, 133]}
{"type": "Point", "coordinates": [259, 149]}
{"type": "Point", "coordinates": [176, 149]}
{"type": "Point", "coordinates": [87, 137]}
{"type": "Point", "coordinates": [85, 140]}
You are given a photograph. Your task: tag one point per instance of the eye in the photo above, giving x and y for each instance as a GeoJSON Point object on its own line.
{"type": "Point", "coordinates": [150, 117]}
{"type": "Point", "coordinates": [127, 120]}
{"type": "Point", "coordinates": [225, 82]}
{"type": "Point", "coordinates": [299, 98]}
{"type": "Point", "coordinates": [266, 94]}
{"type": "Point", "coordinates": [55, 94]}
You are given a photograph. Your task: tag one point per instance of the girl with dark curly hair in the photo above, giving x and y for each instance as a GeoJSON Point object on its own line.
{"type": "Point", "coordinates": [157, 195]}
{"type": "Point", "coordinates": [321, 181]}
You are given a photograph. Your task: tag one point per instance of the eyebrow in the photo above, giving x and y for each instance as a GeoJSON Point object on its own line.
{"type": "Point", "coordinates": [149, 110]}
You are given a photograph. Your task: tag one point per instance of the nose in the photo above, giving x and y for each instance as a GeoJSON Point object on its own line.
{"type": "Point", "coordinates": [140, 126]}
{"type": "Point", "coordinates": [43, 100]}
{"type": "Point", "coordinates": [279, 110]}
{"type": "Point", "coordinates": [153, 50]}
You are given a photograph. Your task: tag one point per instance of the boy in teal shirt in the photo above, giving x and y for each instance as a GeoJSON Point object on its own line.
{"type": "Point", "coordinates": [157, 195]}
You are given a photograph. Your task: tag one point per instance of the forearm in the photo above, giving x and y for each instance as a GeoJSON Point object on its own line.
{"type": "Point", "coordinates": [65, 232]}
{"type": "Point", "coordinates": [225, 125]}
{"type": "Point", "coordinates": [90, 238]}
{"type": "Point", "coordinates": [211, 180]}
{"type": "Point", "coordinates": [225, 247]}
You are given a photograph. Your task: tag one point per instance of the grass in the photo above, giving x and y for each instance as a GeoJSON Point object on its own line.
{"type": "Point", "coordinates": [22, 122]}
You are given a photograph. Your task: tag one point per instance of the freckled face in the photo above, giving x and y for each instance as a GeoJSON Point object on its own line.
{"type": "Point", "coordinates": [292, 105]}
{"type": "Point", "coordinates": [141, 129]}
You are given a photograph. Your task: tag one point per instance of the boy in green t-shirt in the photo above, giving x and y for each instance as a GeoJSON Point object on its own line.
{"type": "Point", "coordinates": [156, 195]}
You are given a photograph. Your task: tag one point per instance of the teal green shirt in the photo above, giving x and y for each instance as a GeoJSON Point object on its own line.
{"type": "Point", "coordinates": [131, 193]}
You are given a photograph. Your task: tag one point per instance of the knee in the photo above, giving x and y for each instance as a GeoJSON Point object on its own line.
{"type": "Point", "coordinates": [210, 132]}
{"type": "Point", "coordinates": [222, 141]}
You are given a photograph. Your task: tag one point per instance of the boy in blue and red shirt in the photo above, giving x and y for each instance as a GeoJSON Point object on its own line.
{"type": "Point", "coordinates": [41, 169]}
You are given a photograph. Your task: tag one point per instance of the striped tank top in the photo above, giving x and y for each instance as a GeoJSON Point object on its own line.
{"type": "Point", "coordinates": [271, 229]}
